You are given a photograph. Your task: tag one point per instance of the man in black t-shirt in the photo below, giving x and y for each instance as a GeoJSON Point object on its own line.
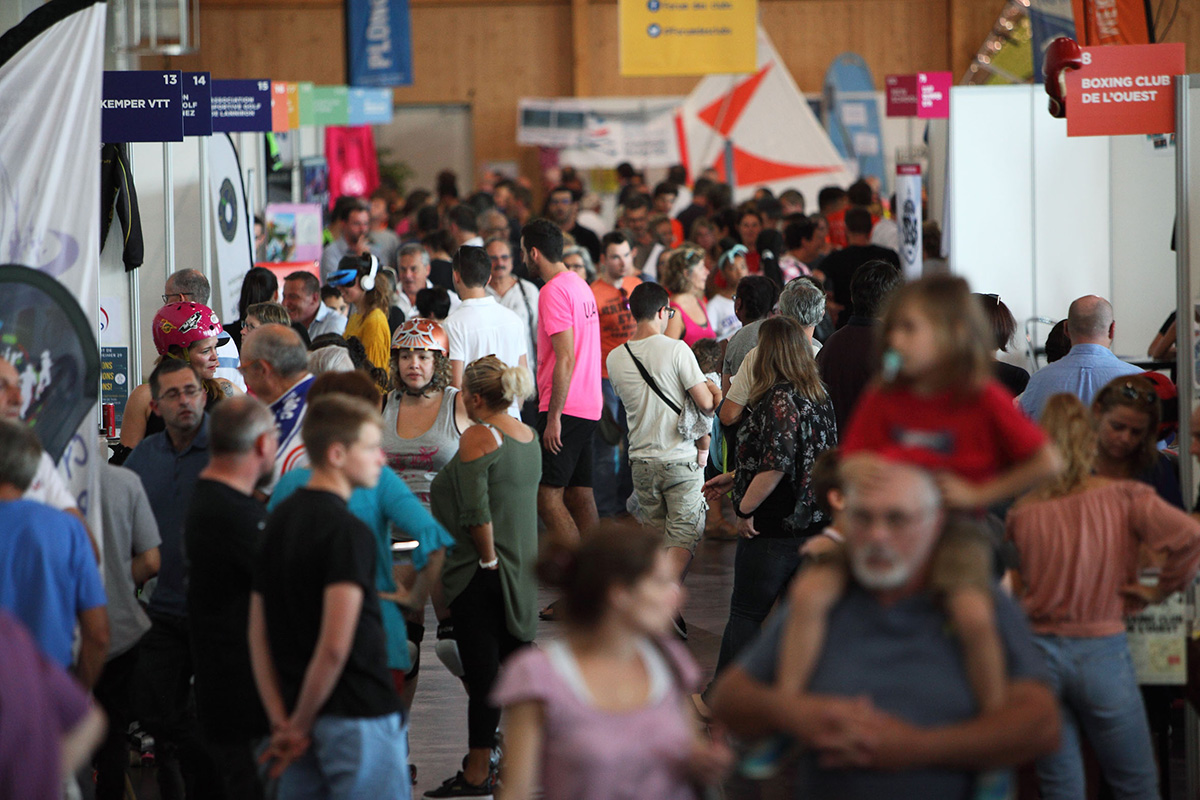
{"type": "Point", "coordinates": [839, 266]}
{"type": "Point", "coordinates": [316, 634]}
{"type": "Point", "coordinates": [223, 534]}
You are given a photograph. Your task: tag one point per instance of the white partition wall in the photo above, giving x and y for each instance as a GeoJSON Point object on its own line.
{"type": "Point", "coordinates": [1040, 218]}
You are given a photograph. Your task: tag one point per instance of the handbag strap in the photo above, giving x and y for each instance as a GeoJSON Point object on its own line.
{"type": "Point", "coordinates": [650, 381]}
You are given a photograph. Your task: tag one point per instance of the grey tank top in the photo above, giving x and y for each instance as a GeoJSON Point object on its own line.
{"type": "Point", "coordinates": [418, 460]}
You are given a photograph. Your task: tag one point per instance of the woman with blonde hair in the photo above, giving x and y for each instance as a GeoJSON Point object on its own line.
{"type": "Point", "coordinates": [683, 274]}
{"type": "Point", "coordinates": [1078, 538]}
{"type": "Point", "coordinates": [789, 421]}
{"type": "Point", "coordinates": [486, 497]}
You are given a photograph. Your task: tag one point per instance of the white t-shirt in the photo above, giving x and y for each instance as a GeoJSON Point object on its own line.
{"type": "Point", "coordinates": [228, 361]}
{"type": "Point", "coordinates": [48, 487]}
{"type": "Point", "coordinates": [410, 308]}
{"type": "Point", "coordinates": [522, 300]}
{"type": "Point", "coordinates": [653, 432]}
{"type": "Point", "coordinates": [739, 384]}
{"type": "Point", "coordinates": [721, 317]}
{"type": "Point", "coordinates": [481, 327]}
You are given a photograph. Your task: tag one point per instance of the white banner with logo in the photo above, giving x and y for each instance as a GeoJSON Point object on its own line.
{"type": "Point", "coordinates": [601, 132]}
{"type": "Point", "coordinates": [233, 241]}
{"type": "Point", "coordinates": [51, 65]}
{"type": "Point", "coordinates": [908, 217]}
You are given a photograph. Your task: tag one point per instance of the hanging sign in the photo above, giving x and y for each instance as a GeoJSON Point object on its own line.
{"type": "Point", "coordinates": [925, 95]}
{"type": "Point", "coordinates": [687, 37]}
{"type": "Point", "coordinates": [331, 105]}
{"type": "Point", "coordinates": [908, 216]}
{"type": "Point", "coordinates": [370, 106]}
{"type": "Point", "coordinates": [241, 105]}
{"type": "Point", "coordinates": [1126, 89]}
{"type": "Point", "coordinates": [378, 43]}
{"type": "Point", "coordinates": [197, 104]}
{"type": "Point", "coordinates": [142, 106]}
{"type": "Point", "coordinates": [279, 109]}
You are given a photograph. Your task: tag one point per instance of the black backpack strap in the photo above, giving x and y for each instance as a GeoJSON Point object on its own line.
{"type": "Point", "coordinates": [650, 381]}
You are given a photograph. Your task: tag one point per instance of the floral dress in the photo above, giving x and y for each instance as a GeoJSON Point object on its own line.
{"type": "Point", "coordinates": [785, 431]}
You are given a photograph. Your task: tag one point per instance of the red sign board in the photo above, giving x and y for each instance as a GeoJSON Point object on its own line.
{"type": "Point", "coordinates": [925, 95]}
{"type": "Point", "coordinates": [279, 108]}
{"type": "Point", "coordinates": [1124, 89]}
{"type": "Point", "coordinates": [901, 95]}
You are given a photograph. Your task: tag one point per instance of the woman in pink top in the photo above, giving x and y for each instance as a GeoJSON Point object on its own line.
{"type": "Point", "coordinates": [682, 273]}
{"type": "Point", "coordinates": [1079, 540]}
{"type": "Point", "coordinates": [602, 713]}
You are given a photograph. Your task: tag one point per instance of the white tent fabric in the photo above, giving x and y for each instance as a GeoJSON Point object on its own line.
{"type": "Point", "coordinates": [776, 141]}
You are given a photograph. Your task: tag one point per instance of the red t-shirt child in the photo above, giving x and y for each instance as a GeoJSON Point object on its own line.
{"type": "Point", "coordinates": [976, 437]}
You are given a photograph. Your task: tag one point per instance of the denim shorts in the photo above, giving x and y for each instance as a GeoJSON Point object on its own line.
{"type": "Point", "coordinates": [351, 758]}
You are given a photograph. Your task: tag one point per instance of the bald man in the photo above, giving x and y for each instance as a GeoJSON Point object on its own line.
{"type": "Point", "coordinates": [1088, 366]}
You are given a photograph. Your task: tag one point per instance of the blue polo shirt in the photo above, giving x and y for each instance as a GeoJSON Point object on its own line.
{"type": "Point", "coordinates": [169, 476]}
{"type": "Point", "coordinates": [48, 573]}
{"type": "Point", "coordinates": [1082, 372]}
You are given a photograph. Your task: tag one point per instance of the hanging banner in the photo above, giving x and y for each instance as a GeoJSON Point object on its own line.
{"type": "Point", "coordinates": [142, 107]}
{"type": "Point", "coordinates": [601, 132]}
{"type": "Point", "coordinates": [279, 108]}
{"type": "Point", "coordinates": [852, 118]}
{"type": "Point", "coordinates": [50, 212]}
{"type": "Point", "coordinates": [233, 253]}
{"type": "Point", "coordinates": [304, 96]}
{"type": "Point", "coordinates": [908, 217]}
{"type": "Point", "coordinates": [1048, 20]}
{"type": "Point", "coordinates": [1123, 90]}
{"type": "Point", "coordinates": [378, 43]}
{"type": "Point", "coordinates": [241, 105]}
{"type": "Point", "coordinates": [1105, 22]}
{"type": "Point", "coordinates": [669, 37]}
{"type": "Point", "coordinates": [197, 104]}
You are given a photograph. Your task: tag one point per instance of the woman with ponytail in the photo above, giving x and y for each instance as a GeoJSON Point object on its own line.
{"type": "Point", "coordinates": [486, 497]}
{"type": "Point", "coordinates": [602, 713]}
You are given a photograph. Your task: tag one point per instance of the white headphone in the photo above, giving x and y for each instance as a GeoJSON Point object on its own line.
{"type": "Point", "coordinates": [367, 282]}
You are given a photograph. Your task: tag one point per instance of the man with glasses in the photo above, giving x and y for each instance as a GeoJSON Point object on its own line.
{"type": "Point", "coordinates": [169, 464]}
{"type": "Point", "coordinates": [275, 366]}
{"type": "Point", "coordinates": [667, 477]}
{"type": "Point", "coordinates": [614, 283]}
{"type": "Point", "coordinates": [889, 711]}
{"type": "Point", "coordinates": [1088, 366]}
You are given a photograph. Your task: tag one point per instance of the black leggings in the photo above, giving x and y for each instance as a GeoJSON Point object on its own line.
{"type": "Point", "coordinates": [484, 642]}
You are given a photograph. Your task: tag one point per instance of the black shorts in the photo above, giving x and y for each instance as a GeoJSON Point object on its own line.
{"type": "Point", "coordinates": [572, 465]}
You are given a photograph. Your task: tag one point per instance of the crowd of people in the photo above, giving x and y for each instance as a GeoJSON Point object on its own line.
{"type": "Point", "coordinates": [935, 550]}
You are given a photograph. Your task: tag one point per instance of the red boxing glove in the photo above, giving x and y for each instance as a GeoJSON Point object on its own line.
{"type": "Point", "coordinates": [1061, 55]}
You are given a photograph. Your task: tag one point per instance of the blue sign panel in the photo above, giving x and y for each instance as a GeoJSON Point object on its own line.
{"type": "Point", "coordinates": [142, 107]}
{"type": "Point", "coordinates": [197, 104]}
{"type": "Point", "coordinates": [370, 106]}
{"type": "Point", "coordinates": [241, 106]}
{"type": "Point", "coordinates": [378, 43]}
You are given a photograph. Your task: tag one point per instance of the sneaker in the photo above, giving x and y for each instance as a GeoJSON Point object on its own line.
{"type": "Point", "coordinates": [459, 787]}
{"type": "Point", "coordinates": [680, 627]}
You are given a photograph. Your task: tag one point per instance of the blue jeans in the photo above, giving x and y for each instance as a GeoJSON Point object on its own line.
{"type": "Point", "coordinates": [351, 758]}
{"type": "Point", "coordinates": [1098, 696]}
{"type": "Point", "coordinates": [762, 569]}
{"type": "Point", "coordinates": [612, 477]}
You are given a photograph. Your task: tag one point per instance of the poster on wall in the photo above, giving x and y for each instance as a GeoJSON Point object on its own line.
{"type": "Point", "coordinates": [664, 37]}
{"type": "Point", "coordinates": [1157, 637]}
{"type": "Point", "coordinates": [378, 43]}
{"type": "Point", "coordinates": [293, 232]}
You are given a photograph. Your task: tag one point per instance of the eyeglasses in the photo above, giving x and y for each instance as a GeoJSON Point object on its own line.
{"type": "Point", "coordinates": [624, 297]}
{"type": "Point", "coordinates": [166, 298]}
{"type": "Point", "coordinates": [670, 312]}
{"type": "Point", "coordinates": [1131, 392]}
{"type": "Point", "coordinates": [994, 297]}
{"type": "Point", "coordinates": [172, 396]}
{"type": "Point", "coordinates": [500, 259]}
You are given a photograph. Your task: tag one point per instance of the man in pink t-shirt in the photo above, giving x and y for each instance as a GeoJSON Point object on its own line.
{"type": "Point", "coordinates": [568, 381]}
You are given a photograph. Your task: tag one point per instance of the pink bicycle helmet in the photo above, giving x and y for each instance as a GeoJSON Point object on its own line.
{"type": "Point", "coordinates": [421, 334]}
{"type": "Point", "coordinates": [181, 324]}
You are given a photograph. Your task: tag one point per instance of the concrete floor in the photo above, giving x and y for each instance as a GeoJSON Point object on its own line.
{"type": "Point", "coordinates": [438, 727]}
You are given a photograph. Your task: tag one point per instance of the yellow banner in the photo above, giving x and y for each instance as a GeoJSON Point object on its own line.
{"type": "Point", "coordinates": [687, 37]}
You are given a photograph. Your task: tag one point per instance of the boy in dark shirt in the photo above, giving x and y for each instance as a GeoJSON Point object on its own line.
{"type": "Point", "coordinates": [316, 635]}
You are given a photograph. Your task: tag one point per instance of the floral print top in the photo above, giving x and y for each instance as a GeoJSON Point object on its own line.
{"type": "Point", "coordinates": [785, 431]}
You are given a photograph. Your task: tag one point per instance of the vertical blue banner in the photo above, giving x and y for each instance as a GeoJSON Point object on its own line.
{"type": "Point", "coordinates": [378, 43]}
{"type": "Point", "coordinates": [1048, 19]}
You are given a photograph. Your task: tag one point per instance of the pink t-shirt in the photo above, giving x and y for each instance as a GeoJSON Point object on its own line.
{"type": "Point", "coordinates": [589, 754]}
{"type": "Point", "coordinates": [566, 302]}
